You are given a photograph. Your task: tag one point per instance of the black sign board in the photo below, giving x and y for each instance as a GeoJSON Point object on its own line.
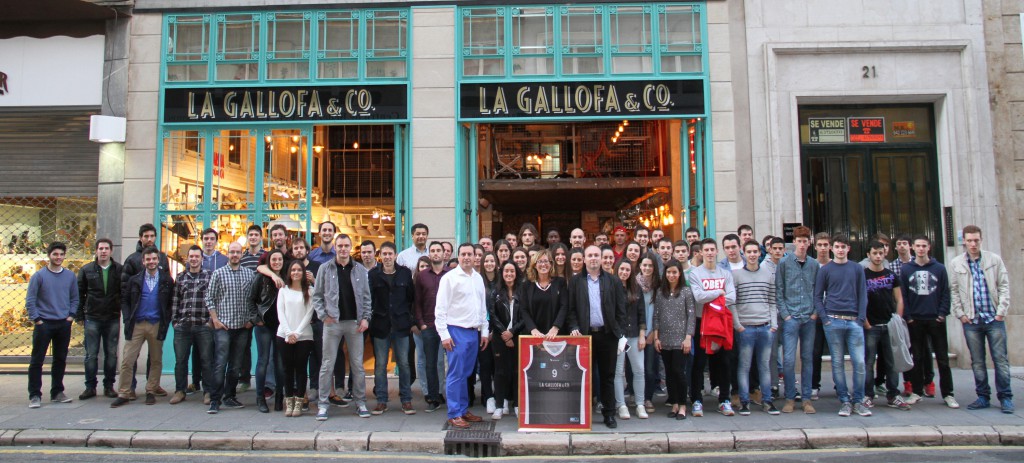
{"type": "Point", "coordinates": [787, 231]}
{"type": "Point", "coordinates": [287, 103]}
{"type": "Point", "coordinates": [582, 100]}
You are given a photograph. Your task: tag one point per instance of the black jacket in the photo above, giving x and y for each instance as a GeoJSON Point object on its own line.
{"type": "Point", "coordinates": [93, 302]}
{"type": "Point", "coordinates": [391, 303]}
{"type": "Point", "coordinates": [543, 316]}
{"type": "Point", "coordinates": [613, 304]}
{"type": "Point", "coordinates": [133, 266]}
{"type": "Point", "coordinates": [263, 296]}
{"type": "Point", "coordinates": [498, 314]}
{"type": "Point", "coordinates": [636, 317]}
{"type": "Point", "coordinates": [130, 303]}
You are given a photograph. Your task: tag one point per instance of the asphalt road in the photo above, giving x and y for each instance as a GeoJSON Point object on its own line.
{"type": "Point", "coordinates": [875, 455]}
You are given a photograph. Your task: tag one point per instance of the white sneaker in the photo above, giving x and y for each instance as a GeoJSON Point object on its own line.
{"type": "Point", "coordinates": [951, 402]}
{"type": "Point", "coordinates": [490, 405]}
{"type": "Point", "coordinates": [623, 412]}
{"type": "Point", "coordinates": [504, 409]}
{"type": "Point", "coordinates": [517, 411]}
{"type": "Point", "coordinates": [496, 415]}
{"type": "Point", "coordinates": [641, 412]}
{"type": "Point", "coordinates": [912, 399]}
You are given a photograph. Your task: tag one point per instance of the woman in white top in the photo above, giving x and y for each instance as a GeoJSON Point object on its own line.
{"type": "Point", "coordinates": [294, 335]}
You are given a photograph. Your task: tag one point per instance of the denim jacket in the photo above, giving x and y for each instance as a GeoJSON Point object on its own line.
{"type": "Point", "coordinates": [794, 287]}
{"type": "Point", "coordinates": [325, 292]}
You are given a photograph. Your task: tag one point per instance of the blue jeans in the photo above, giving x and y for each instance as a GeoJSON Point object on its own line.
{"type": "Point", "coordinates": [99, 333]}
{"type": "Point", "coordinates": [876, 341]}
{"type": "Point", "coordinates": [431, 345]}
{"type": "Point", "coordinates": [798, 330]}
{"type": "Point", "coordinates": [229, 352]}
{"type": "Point", "coordinates": [265, 353]}
{"type": "Point", "coordinates": [193, 339]}
{"type": "Point", "coordinates": [995, 334]}
{"type": "Point", "coordinates": [755, 340]}
{"type": "Point", "coordinates": [636, 362]}
{"type": "Point", "coordinates": [846, 337]}
{"type": "Point", "coordinates": [399, 344]}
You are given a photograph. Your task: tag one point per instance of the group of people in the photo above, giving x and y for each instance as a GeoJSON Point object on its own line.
{"type": "Point", "coordinates": [659, 312]}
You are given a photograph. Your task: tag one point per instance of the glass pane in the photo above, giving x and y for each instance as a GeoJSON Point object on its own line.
{"type": "Point", "coordinates": [338, 69]}
{"type": "Point", "coordinates": [289, 36]}
{"type": "Point", "coordinates": [284, 179]}
{"type": "Point", "coordinates": [631, 64]}
{"type": "Point", "coordinates": [230, 229]}
{"type": "Point", "coordinates": [385, 68]}
{"type": "Point", "coordinates": [581, 31]}
{"type": "Point", "coordinates": [239, 37]}
{"type": "Point", "coordinates": [483, 32]}
{"type": "Point", "coordinates": [680, 29]}
{"type": "Point", "coordinates": [234, 169]}
{"type": "Point", "coordinates": [187, 38]}
{"type": "Point", "coordinates": [178, 232]}
{"type": "Point", "coordinates": [338, 35]}
{"type": "Point", "coordinates": [631, 30]}
{"type": "Point", "coordinates": [186, 73]}
{"type": "Point", "coordinates": [386, 34]}
{"type": "Point", "coordinates": [182, 174]}
{"type": "Point", "coordinates": [583, 65]}
{"type": "Point", "coordinates": [681, 63]}
{"type": "Point", "coordinates": [294, 224]}
{"type": "Point", "coordinates": [533, 66]}
{"type": "Point", "coordinates": [483, 67]}
{"type": "Point", "coordinates": [532, 31]}
{"type": "Point", "coordinates": [237, 71]}
{"type": "Point", "coordinates": [288, 70]}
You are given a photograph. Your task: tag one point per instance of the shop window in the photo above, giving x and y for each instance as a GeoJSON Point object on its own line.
{"type": "Point", "coordinates": [234, 182]}
{"type": "Point", "coordinates": [533, 41]}
{"type": "Point", "coordinates": [629, 39]}
{"type": "Point", "coordinates": [178, 232]}
{"type": "Point", "coordinates": [284, 181]}
{"type": "Point", "coordinates": [680, 39]}
{"type": "Point", "coordinates": [483, 31]}
{"type": "Point", "coordinates": [238, 47]}
{"type": "Point", "coordinates": [386, 42]}
{"type": "Point", "coordinates": [183, 173]}
{"type": "Point", "coordinates": [288, 37]}
{"type": "Point", "coordinates": [338, 45]}
{"type": "Point", "coordinates": [582, 40]}
{"type": "Point", "coordinates": [187, 48]}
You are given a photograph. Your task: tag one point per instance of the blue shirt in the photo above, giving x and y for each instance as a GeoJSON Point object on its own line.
{"type": "Point", "coordinates": [52, 296]}
{"type": "Point", "coordinates": [214, 261]}
{"type": "Point", "coordinates": [594, 294]}
{"type": "Point", "coordinates": [318, 255]}
{"type": "Point", "coordinates": [983, 309]}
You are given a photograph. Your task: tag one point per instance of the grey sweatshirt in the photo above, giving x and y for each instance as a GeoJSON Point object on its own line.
{"type": "Point", "coordinates": [755, 297]}
{"type": "Point", "coordinates": [705, 285]}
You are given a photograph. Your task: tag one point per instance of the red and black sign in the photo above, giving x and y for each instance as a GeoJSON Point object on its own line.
{"type": "Point", "coordinates": [867, 129]}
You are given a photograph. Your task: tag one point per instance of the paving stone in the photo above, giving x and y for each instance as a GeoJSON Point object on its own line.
{"type": "Point", "coordinates": [969, 435]}
{"type": "Point", "coordinates": [232, 440]}
{"type": "Point", "coordinates": [836, 438]}
{"type": "Point", "coordinates": [115, 439]}
{"type": "Point", "coordinates": [342, 441]}
{"type": "Point", "coordinates": [904, 436]}
{"type": "Point", "coordinates": [686, 442]}
{"type": "Point", "coordinates": [524, 443]}
{"type": "Point", "coordinates": [174, 440]}
{"type": "Point", "coordinates": [58, 437]}
{"type": "Point", "coordinates": [392, 441]}
{"type": "Point", "coordinates": [598, 444]}
{"type": "Point", "coordinates": [7, 437]}
{"type": "Point", "coordinates": [647, 443]}
{"type": "Point", "coordinates": [284, 441]}
{"type": "Point", "coordinates": [782, 439]}
{"type": "Point", "coordinates": [1008, 435]}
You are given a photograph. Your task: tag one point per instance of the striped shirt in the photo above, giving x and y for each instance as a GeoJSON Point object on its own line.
{"type": "Point", "coordinates": [189, 301]}
{"type": "Point", "coordinates": [755, 297]}
{"type": "Point", "coordinates": [227, 296]}
{"type": "Point", "coordinates": [251, 261]}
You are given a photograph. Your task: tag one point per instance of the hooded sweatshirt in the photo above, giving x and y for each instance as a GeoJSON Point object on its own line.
{"type": "Point", "coordinates": [926, 290]}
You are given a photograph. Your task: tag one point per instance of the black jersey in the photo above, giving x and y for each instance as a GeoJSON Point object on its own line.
{"type": "Point", "coordinates": [553, 369]}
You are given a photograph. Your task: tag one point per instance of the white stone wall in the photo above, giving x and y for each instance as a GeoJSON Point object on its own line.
{"type": "Point", "coordinates": [723, 123]}
{"type": "Point", "coordinates": [142, 113]}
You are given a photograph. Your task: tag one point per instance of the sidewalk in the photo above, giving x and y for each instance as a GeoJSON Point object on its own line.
{"type": "Point", "coordinates": [187, 425]}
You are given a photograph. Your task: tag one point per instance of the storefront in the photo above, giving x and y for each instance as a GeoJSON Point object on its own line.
{"type": "Point", "coordinates": [583, 116]}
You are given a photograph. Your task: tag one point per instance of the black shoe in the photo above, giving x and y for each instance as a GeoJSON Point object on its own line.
{"type": "Point", "coordinates": [348, 396]}
{"type": "Point", "coordinates": [673, 414]}
{"type": "Point", "coordinates": [87, 394]}
{"type": "Point", "coordinates": [150, 399]}
{"type": "Point", "coordinates": [744, 409]}
{"type": "Point", "coordinates": [339, 401]}
{"type": "Point", "coordinates": [278, 402]}
{"type": "Point", "coordinates": [231, 402]}
{"type": "Point", "coordinates": [305, 405]}
{"type": "Point", "coordinates": [261, 403]}
{"type": "Point", "coordinates": [432, 406]}
{"type": "Point", "coordinates": [109, 392]}
{"type": "Point", "coordinates": [609, 421]}
{"type": "Point", "coordinates": [214, 408]}
{"type": "Point", "coordinates": [119, 402]}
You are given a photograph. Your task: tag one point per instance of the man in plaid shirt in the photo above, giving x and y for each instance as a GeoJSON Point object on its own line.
{"type": "Point", "coordinates": [231, 319]}
{"type": "Point", "coordinates": [980, 293]}
{"type": "Point", "coordinates": [191, 323]}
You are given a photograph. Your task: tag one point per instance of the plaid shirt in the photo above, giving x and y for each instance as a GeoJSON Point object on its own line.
{"type": "Point", "coordinates": [227, 295]}
{"type": "Point", "coordinates": [983, 309]}
{"type": "Point", "coordinates": [895, 266]}
{"type": "Point", "coordinates": [188, 303]}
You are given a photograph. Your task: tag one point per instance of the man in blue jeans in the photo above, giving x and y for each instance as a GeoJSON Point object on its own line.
{"type": "Point", "coordinates": [51, 302]}
{"type": "Point", "coordinates": [980, 293]}
{"type": "Point", "coordinates": [99, 307]}
{"type": "Point", "coordinates": [794, 290]}
{"type": "Point", "coordinates": [841, 301]}
{"type": "Point", "coordinates": [426, 284]}
{"type": "Point", "coordinates": [232, 319]}
{"type": "Point", "coordinates": [755, 319]}
{"type": "Point", "coordinates": [192, 331]}
{"type": "Point", "coordinates": [391, 290]}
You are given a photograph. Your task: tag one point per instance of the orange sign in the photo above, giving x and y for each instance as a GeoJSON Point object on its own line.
{"type": "Point", "coordinates": [867, 129]}
{"type": "Point", "coordinates": [904, 129]}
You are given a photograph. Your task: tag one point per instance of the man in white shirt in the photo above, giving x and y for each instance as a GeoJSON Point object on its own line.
{"type": "Point", "coordinates": [411, 255]}
{"type": "Point", "coordinates": [461, 322]}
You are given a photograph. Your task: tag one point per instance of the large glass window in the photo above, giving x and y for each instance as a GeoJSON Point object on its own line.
{"type": "Point", "coordinates": [483, 41]}
{"type": "Point", "coordinates": [183, 172]}
{"type": "Point", "coordinates": [288, 36]}
{"type": "Point", "coordinates": [284, 179]}
{"type": "Point", "coordinates": [533, 36]}
{"type": "Point", "coordinates": [338, 46]}
{"type": "Point", "coordinates": [234, 169]}
{"type": "Point", "coordinates": [238, 47]}
{"type": "Point", "coordinates": [188, 48]}
{"type": "Point", "coordinates": [630, 39]}
{"type": "Point", "coordinates": [386, 43]}
{"type": "Point", "coordinates": [582, 40]}
{"type": "Point", "coordinates": [680, 39]}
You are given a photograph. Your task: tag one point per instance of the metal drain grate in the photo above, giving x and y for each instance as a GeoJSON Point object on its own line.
{"type": "Point", "coordinates": [476, 443]}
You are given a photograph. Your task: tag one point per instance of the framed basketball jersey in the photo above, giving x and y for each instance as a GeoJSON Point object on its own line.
{"type": "Point", "coordinates": [554, 384]}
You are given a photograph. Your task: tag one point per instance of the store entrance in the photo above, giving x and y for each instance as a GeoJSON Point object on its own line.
{"type": "Point", "coordinates": [592, 175]}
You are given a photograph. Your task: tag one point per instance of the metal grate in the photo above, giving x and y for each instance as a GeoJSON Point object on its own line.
{"type": "Point", "coordinates": [27, 226]}
{"type": "Point", "coordinates": [475, 443]}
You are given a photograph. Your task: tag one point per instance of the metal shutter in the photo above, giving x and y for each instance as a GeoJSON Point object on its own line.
{"type": "Point", "coordinates": [47, 152]}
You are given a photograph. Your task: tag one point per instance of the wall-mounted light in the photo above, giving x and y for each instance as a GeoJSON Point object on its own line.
{"type": "Point", "coordinates": [295, 149]}
{"type": "Point", "coordinates": [355, 145]}
{"type": "Point", "coordinates": [295, 138]}
{"type": "Point", "coordinates": [107, 129]}
{"type": "Point", "coordinates": [318, 149]}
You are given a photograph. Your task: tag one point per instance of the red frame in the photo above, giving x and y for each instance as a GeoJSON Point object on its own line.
{"type": "Point", "coordinates": [584, 344]}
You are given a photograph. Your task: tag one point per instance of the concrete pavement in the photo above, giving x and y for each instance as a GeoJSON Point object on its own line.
{"type": "Point", "coordinates": [186, 426]}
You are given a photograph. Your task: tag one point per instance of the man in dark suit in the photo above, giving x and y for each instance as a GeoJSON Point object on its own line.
{"type": "Point", "coordinates": [597, 307]}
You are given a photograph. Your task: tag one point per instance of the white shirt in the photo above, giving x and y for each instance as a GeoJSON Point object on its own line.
{"type": "Point", "coordinates": [294, 315]}
{"type": "Point", "coordinates": [462, 302]}
{"type": "Point", "coordinates": [410, 256]}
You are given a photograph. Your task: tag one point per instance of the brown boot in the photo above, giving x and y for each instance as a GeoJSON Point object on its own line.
{"type": "Point", "coordinates": [289, 404]}
{"type": "Point", "coordinates": [297, 406]}
{"type": "Point", "coordinates": [808, 408]}
{"type": "Point", "coordinates": [788, 408]}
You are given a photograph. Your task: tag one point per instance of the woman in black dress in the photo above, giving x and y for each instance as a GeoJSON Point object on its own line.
{"type": "Point", "coordinates": [545, 298]}
{"type": "Point", "coordinates": [504, 312]}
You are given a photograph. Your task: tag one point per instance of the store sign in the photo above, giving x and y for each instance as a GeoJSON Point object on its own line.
{"type": "Point", "coordinates": [904, 129]}
{"type": "Point", "coordinates": [54, 71]}
{"type": "Point", "coordinates": [3, 83]}
{"type": "Point", "coordinates": [867, 129]}
{"type": "Point", "coordinates": [296, 103]}
{"type": "Point", "coordinates": [581, 99]}
{"type": "Point", "coordinates": [827, 130]}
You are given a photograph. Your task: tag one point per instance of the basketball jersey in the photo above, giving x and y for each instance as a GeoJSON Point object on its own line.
{"type": "Point", "coordinates": [549, 375]}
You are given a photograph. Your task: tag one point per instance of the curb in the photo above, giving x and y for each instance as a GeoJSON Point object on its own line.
{"type": "Point", "coordinates": [527, 444]}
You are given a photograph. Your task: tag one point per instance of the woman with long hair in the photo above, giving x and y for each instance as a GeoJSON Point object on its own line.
{"type": "Point", "coordinates": [576, 262]}
{"type": "Point", "coordinates": [489, 270]}
{"type": "Point", "coordinates": [294, 334]}
{"type": "Point", "coordinates": [633, 251]}
{"type": "Point", "coordinates": [522, 259]}
{"type": "Point", "coordinates": [561, 255]}
{"type": "Point", "coordinates": [503, 250]}
{"type": "Point", "coordinates": [504, 311]}
{"type": "Point", "coordinates": [635, 328]}
{"type": "Point", "coordinates": [648, 280]}
{"type": "Point", "coordinates": [545, 298]}
{"type": "Point", "coordinates": [674, 320]}
{"type": "Point", "coordinates": [263, 298]}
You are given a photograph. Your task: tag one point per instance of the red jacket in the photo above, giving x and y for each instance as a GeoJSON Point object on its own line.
{"type": "Point", "coordinates": [716, 326]}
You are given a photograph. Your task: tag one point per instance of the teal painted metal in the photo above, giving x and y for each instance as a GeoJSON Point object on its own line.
{"type": "Point", "coordinates": [707, 145]}
{"type": "Point", "coordinates": [474, 192]}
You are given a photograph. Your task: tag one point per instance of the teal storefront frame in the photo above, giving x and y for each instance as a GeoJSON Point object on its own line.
{"type": "Point", "coordinates": [605, 49]}
{"type": "Point", "coordinates": [375, 61]}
